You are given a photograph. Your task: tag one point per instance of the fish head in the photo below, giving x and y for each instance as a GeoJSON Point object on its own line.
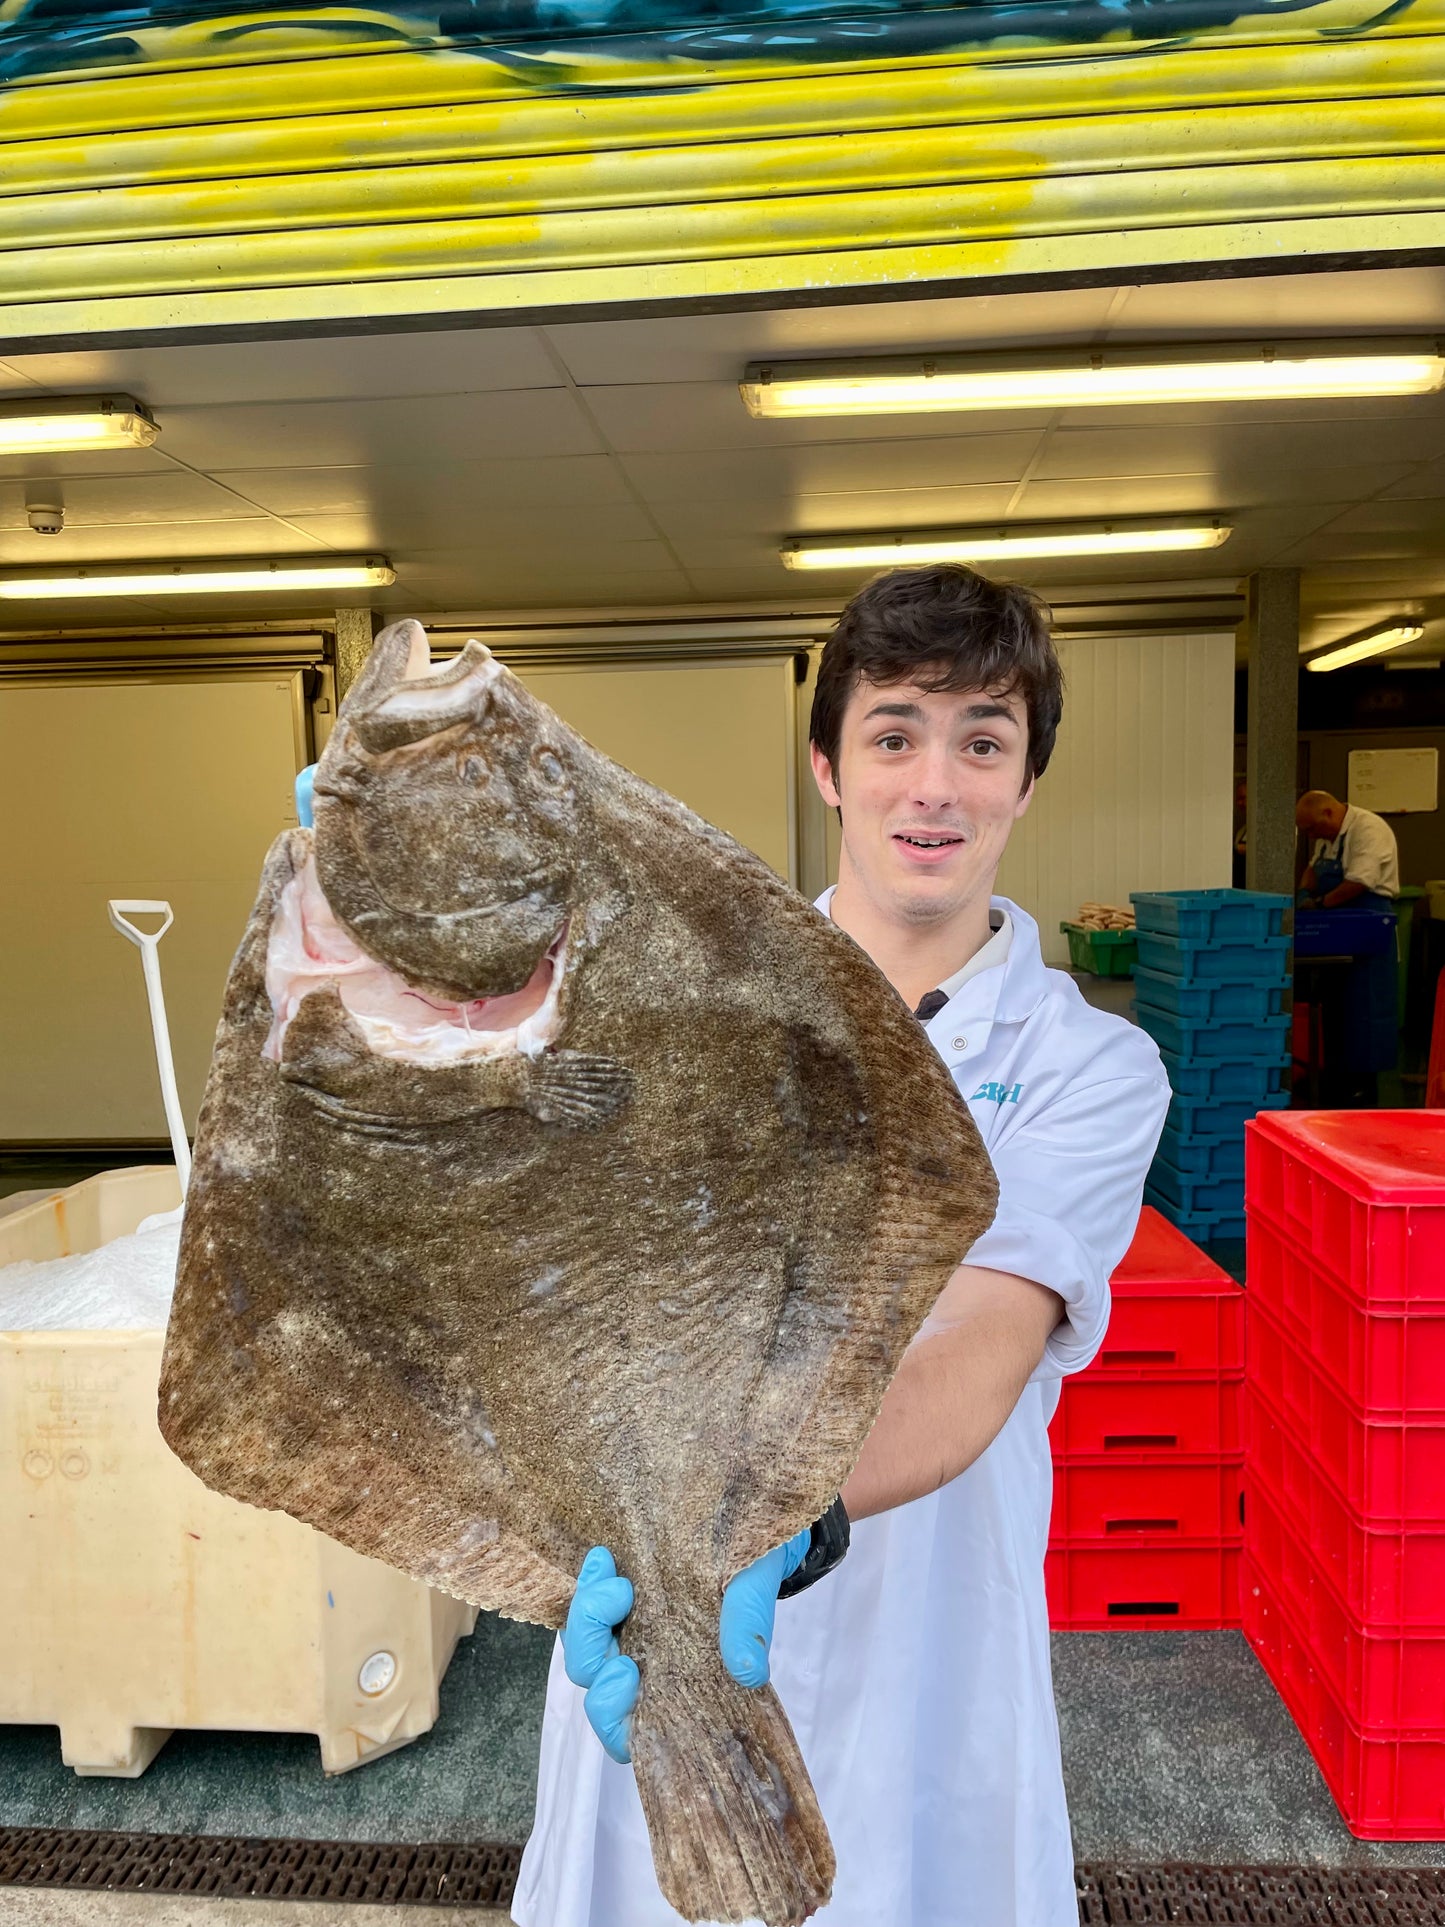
{"type": "Point", "coordinates": [446, 819]}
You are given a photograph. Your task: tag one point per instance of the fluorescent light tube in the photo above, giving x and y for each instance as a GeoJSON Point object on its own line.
{"type": "Point", "coordinates": [1374, 642]}
{"type": "Point", "coordinates": [1094, 378]}
{"type": "Point", "coordinates": [1000, 544]}
{"type": "Point", "coordinates": [55, 425]}
{"type": "Point", "coordinates": [200, 578]}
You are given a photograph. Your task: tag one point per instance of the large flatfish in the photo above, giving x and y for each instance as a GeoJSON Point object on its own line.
{"type": "Point", "coordinates": [562, 1179]}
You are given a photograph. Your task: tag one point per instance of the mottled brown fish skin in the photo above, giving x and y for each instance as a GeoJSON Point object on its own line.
{"type": "Point", "coordinates": [645, 1291]}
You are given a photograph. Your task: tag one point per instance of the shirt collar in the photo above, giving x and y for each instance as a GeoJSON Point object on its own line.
{"type": "Point", "coordinates": [1020, 985]}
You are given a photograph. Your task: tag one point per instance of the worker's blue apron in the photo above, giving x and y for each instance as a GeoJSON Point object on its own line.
{"type": "Point", "coordinates": [1370, 1020]}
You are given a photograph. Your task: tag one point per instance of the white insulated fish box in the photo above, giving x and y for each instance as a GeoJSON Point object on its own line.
{"type": "Point", "coordinates": [134, 1599]}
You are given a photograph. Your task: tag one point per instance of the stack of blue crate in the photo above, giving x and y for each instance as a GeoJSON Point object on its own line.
{"type": "Point", "coordinates": [1212, 989]}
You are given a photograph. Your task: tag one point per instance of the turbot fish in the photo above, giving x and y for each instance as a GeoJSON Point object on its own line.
{"type": "Point", "coordinates": [562, 1179]}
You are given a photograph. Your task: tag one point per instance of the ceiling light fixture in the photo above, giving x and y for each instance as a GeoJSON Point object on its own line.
{"type": "Point", "coordinates": [1001, 544]}
{"type": "Point", "coordinates": [199, 578]}
{"type": "Point", "coordinates": [1378, 641]}
{"type": "Point", "coordinates": [1094, 377]}
{"type": "Point", "coordinates": [57, 424]}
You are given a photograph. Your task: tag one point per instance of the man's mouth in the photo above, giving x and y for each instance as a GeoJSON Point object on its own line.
{"type": "Point", "coordinates": [927, 842]}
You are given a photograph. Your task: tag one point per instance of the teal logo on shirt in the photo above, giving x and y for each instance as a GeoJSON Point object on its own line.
{"type": "Point", "coordinates": [997, 1094]}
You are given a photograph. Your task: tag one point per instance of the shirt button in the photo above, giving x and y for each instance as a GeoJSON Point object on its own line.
{"type": "Point", "coordinates": [960, 1043]}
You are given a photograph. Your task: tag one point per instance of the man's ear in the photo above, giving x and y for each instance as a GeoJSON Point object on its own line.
{"type": "Point", "coordinates": [1026, 796]}
{"type": "Point", "coordinates": [823, 777]}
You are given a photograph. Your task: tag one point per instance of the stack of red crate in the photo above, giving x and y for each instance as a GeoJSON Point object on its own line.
{"type": "Point", "coordinates": [1344, 1585]}
{"type": "Point", "coordinates": [1148, 1455]}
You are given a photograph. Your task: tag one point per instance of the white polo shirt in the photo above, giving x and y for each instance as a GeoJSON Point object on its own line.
{"type": "Point", "coordinates": [917, 1676]}
{"type": "Point", "coordinates": [1366, 850]}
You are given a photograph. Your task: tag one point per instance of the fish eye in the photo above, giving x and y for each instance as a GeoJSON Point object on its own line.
{"type": "Point", "coordinates": [473, 769]}
{"type": "Point", "coordinates": [548, 765]}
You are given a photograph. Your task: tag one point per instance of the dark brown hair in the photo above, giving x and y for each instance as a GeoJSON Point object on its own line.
{"type": "Point", "coordinates": [945, 628]}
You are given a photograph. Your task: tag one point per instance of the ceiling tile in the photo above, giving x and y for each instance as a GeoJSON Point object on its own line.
{"type": "Point", "coordinates": [718, 347]}
{"type": "Point", "coordinates": [747, 514]}
{"type": "Point", "coordinates": [1249, 451]}
{"type": "Point", "coordinates": [168, 495]}
{"type": "Point", "coordinates": [443, 428]}
{"type": "Point", "coordinates": [1370, 301]}
{"type": "Point", "coordinates": [149, 541]}
{"type": "Point", "coordinates": [560, 481]}
{"type": "Point", "coordinates": [786, 475]}
{"type": "Point", "coordinates": [422, 524]}
{"type": "Point", "coordinates": [1253, 487]}
{"type": "Point", "coordinates": [445, 362]}
{"type": "Point", "coordinates": [657, 419]}
{"type": "Point", "coordinates": [120, 462]}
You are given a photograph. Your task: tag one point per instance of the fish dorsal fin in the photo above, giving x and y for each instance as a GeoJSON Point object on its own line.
{"type": "Point", "coordinates": [400, 698]}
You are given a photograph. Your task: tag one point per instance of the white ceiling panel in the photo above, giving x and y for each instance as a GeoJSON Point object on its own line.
{"type": "Point", "coordinates": [743, 514]}
{"type": "Point", "coordinates": [518, 422]}
{"type": "Point", "coordinates": [118, 462]}
{"type": "Point", "coordinates": [170, 495]}
{"type": "Point", "coordinates": [835, 468]}
{"type": "Point", "coordinates": [1249, 450]}
{"type": "Point", "coordinates": [650, 419]}
{"type": "Point", "coordinates": [561, 481]}
{"type": "Point", "coordinates": [716, 348]}
{"type": "Point", "coordinates": [1391, 302]}
{"type": "Point", "coordinates": [446, 362]}
{"type": "Point", "coordinates": [1247, 488]}
{"type": "Point", "coordinates": [150, 541]}
{"type": "Point", "coordinates": [423, 524]}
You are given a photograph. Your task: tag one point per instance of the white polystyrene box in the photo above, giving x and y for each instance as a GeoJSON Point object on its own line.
{"type": "Point", "coordinates": [134, 1599]}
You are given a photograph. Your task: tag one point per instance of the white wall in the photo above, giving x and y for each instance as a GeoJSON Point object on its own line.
{"type": "Point", "coordinates": [1139, 794]}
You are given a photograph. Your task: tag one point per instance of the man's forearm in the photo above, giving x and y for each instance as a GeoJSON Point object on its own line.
{"type": "Point", "coordinates": [1345, 893]}
{"type": "Point", "coordinates": [955, 1389]}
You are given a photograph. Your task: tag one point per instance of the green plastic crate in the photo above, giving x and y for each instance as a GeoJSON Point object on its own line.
{"type": "Point", "coordinates": [1103, 953]}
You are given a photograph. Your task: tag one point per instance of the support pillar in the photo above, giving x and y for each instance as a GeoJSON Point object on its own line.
{"type": "Point", "coordinates": [1271, 637]}
{"type": "Point", "coordinates": [355, 632]}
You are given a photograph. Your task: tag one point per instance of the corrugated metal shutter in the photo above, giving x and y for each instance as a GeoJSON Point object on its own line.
{"type": "Point", "coordinates": [434, 181]}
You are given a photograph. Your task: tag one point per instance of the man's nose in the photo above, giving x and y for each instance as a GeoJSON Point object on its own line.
{"type": "Point", "coordinates": [935, 780]}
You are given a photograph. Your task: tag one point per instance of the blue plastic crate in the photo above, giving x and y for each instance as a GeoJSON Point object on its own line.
{"type": "Point", "coordinates": [1194, 1156]}
{"type": "Point", "coordinates": [1197, 1194]}
{"type": "Point", "coordinates": [1266, 1043]}
{"type": "Point", "coordinates": [1240, 1080]}
{"type": "Point", "coordinates": [1210, 916]}
{"type": "Point", "coordinates": [1264, 962]}
{"type": "Point", "coordinates": [1204, 1227]}
{"type": "Point", "coordinates": [1208, 1002]}
{"type": "Point", "coordinates": [1216, 1117]}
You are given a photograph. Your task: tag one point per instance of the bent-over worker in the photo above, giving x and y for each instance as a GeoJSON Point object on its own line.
{"type": "Point", "coordinates": [916, 1676]}
{"type": "Point", "coordinates": [1353, 855]}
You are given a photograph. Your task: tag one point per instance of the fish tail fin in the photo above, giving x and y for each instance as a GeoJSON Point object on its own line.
{"type": "Point", "coordinates": [736, 1830]}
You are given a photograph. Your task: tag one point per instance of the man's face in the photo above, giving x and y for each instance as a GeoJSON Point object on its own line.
{"type": "Point", "coordinates": [930, 783]}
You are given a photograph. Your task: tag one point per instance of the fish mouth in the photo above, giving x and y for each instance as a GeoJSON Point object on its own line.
{"type": "Point", "coordinates": [309, 949]}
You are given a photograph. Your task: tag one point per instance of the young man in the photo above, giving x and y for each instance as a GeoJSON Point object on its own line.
{"type": "Point", "coordinates": [916, 1674]}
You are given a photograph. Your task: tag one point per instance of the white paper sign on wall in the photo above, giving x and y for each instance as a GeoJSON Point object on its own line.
{"type": "Point", "coordinates": [1393, 781]}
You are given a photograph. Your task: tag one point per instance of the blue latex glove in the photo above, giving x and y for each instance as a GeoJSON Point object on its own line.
{"type": "Point", "coordinates": [590, 1654]}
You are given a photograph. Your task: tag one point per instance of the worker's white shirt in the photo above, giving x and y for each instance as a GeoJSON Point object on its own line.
{"type": "Point", "coordinates": [1366, 850]}
{"type": "Point", "coordinates": [916, 1676]}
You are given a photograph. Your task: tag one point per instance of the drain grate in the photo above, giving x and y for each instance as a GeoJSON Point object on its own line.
{"type": "Point", "coordinates": [1279, 1896]}
{"type": "Point", "coordinates": [475, 1876]}
{"type": "Point", "coordinates": [484, 1876]}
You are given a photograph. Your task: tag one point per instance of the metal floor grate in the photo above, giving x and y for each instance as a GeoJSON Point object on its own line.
{"type": "Point", "coordinates": [484, 1876]}
{"type": "Point", "coordinates": [1279, 1896]}
{"type": "Point", "coordinates": [476, 1876]}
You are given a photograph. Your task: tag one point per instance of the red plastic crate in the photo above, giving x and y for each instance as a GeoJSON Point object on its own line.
{"type": "Point", "coordinates": [1385, 1682]}
{"type": "Point", "coordinates": [1176, 1416]}
{"type": "Point", "coordinates": [1363, 1191]}
{"type": "Point", "coordinates": [1096, 1588]}
{"type": "Point", "coordinates": [1387, 1472]}
{"type": "Point", "coordinates": [1389, 1578]}
{"type": "Point", "coordinates": [1174, 1309]}
{"type": "Point", "coordinates": [1116, 1503]}
{"type": "Point", "coordinates": [1386, 1788]}
{"type": "Point", "coordinates": [1390, 1363]}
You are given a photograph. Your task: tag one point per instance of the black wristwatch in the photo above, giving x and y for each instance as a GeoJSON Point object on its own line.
{"type": "Point", "coordinates": [826, 1548]}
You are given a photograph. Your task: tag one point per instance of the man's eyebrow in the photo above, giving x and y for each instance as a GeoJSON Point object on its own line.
{"type": "Point", "coordinates": [984, 712]}
{"type": "Point", "coordinates": [909, 710]}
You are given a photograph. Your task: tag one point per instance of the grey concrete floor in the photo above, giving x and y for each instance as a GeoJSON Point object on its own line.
{"type": "Point", "coordinates": [1177, 1747]}
{"type": "Point", "coordinates": [47, 1907]}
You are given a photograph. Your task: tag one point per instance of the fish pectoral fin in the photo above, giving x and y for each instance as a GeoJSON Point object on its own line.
{"type": "Point", "coordinates": [576, 1089]}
